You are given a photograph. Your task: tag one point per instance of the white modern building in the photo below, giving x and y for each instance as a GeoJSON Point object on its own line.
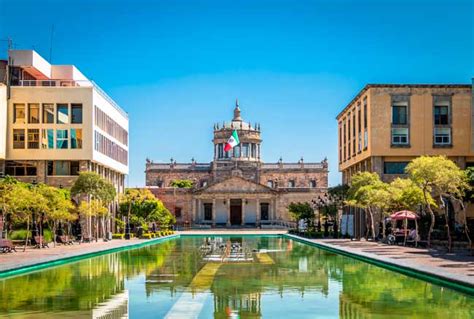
{"type": "Point", "coordinates": [55, 123]}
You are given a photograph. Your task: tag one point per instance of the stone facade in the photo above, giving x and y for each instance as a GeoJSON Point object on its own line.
{"type": "Point", "coordinates": [237, 188]}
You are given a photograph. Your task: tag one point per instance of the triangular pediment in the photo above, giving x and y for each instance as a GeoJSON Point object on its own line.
{"type": "Point", "coordinates": [236, 184]}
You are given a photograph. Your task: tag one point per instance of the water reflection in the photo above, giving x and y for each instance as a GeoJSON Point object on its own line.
{"type": "Point", "coordinates": [249, 277]}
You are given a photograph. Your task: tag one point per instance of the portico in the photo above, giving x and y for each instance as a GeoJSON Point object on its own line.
{"type": "Point", "coordinates": [234, 202]}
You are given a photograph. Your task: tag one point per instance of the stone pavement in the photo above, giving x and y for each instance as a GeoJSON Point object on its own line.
{"type": "Point", "coordinates": [457, 266]}
{"type": "Point", "coordinates": [33, 256]}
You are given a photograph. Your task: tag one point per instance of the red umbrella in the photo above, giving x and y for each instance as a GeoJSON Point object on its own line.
{"type": "Point", "coordinates": [404, 214]}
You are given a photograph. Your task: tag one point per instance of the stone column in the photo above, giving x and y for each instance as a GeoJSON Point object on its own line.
{"type": "Point", "coordinates": [214, 212]}
{"type": "Point", "coordinates": [257, 220]}
{"type": "Point", "coordinates": [199, 211]}
{"type": "Point", "coordinates": [243, 212]}
{"type": "Point", "coordinates": [193, 218]}
{"type": "Point", "coordinates": [227, 200]}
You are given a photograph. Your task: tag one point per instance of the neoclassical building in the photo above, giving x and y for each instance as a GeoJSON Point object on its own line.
{"type": "Point", "coordinates": [237, 188]}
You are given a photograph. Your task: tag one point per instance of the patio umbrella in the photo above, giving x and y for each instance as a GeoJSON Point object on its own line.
{"type": "Point", "coordinates": [406, 215]}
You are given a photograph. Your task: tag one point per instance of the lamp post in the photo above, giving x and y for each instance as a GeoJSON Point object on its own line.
{"type": "Point", "coordinates": [336, 200]}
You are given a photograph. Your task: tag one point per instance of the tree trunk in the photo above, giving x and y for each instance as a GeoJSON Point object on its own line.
{"type": "Point", "coordinates": [428, 206]}
{"type": "Point", "coordinates": [383, 228]}
{"type": "Point", "coordinates": [448, 230]}
{"type": "Point", "coordinates": [96, 229]}
{"type": "Point", "coordinates": [54, 233]}
{"type": "Point", "coordinates": [466, 228]}
{"type": "Point", "coordinates": [416, 233]}
{"type": "Point", "coordinates": [27, 232]}
{"type": "Point", "coordinates": [41, 233]}
{"type": "Point", "coordinates": [372, 226]}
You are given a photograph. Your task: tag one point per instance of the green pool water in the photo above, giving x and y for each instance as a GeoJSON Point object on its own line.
{"type": "Point", "coordinates": [269, 277]}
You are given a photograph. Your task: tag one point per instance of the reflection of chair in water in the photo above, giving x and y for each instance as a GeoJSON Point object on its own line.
{"type": "Point", "coordinates": [229, 252]}
{"type": "Point", "coordinates": [116, 307]}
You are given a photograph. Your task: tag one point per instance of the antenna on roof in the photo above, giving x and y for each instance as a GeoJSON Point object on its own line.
{"type": "Point", "coordinates": [51, 45]}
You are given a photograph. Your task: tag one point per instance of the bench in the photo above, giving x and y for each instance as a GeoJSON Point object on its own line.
{"type": "Point", "coordinates": [40, 243]}
{"type": "Point", "coordinates": [6, 246]}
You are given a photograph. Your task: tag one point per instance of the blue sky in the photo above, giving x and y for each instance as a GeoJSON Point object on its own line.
{"type": "Point", "coordinates": [177, 66]}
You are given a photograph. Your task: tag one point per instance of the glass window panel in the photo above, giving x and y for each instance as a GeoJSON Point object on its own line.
{"type": "Point", "coordinates": [33, 138]}
{"type": "Point", "coordinates": [245, 150]}
{"type": "Point", "coordinates": [62, 114]}
{"type": "Point", "coordinates": [61, 168]}
{"type": "Point", "coordinates": [19, 113]}
{"type": "Point", "coordinates": [76, 138]}
{"type": "Point", "coordinates": [33, 113]}
{"type": "Point", "coordinates": [48, 113]}
{"type": "Point", "coordinates": [399, 114]}
{"type": "Point", "coordinates": [18, 138]}
{"type": "Point", "coordinates": [441, 115]}
{"type": "Point", "coordinates": [399, 135]}
{"type": "Point", "coordinates": [74, 168]}
{"type": "Point", "coordinates": [76, 113]}
{"type": "Point", "coordinates": [62, 139]}
{"type": "Point", "coordinates": [394, 167]}
{"type": "Point", "coordinates": [47, 139]}
{"type": "Point", "coordinates": [270, 184]}
{"type": "Point", "coordinates": [237, 151]}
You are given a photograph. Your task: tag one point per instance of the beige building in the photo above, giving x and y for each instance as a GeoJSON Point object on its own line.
{"type": "Point", "coordinates": [237, 188]}
{"type": "Point", "coordinates": [58, 123]}
{"type": "Point", "coordinates": [386, 126]}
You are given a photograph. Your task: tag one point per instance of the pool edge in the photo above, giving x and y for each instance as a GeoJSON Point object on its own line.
{"type": "Point", "coordinates": [427, 276]}
{"type": "Point", "coordinates": [69, 259]}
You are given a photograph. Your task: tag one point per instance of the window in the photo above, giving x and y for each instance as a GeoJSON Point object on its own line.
{"type": "Point", "coordinates": [159, 183]}
{"type": "Point", "coordinates": [62, 114]}
{"type": "Point", "coordinates": [47, 139]}
{"type": "Point", "coordinates": [33, 138]}
{"type": "Point", "coordinates": [399, 114]}
{"type": "Point", "coordinates": [76, 138]}
{"type": "Point", "coordinates": [442, 135]}
{"type": "Point", "coordinates": [14, 168]}
{"type": "Point", "coordinates": [394, 167]}
{"type": "Point", "coordinates": [245, 150]}
{"type": "Point", "coordinates": [74, 168]}
{"type": "Point", "coordinates": [366, 139]}
{"type": "Point", "coordinates": [111, 149]}
{"type": "Point", "coordinates": [399, 136]}
{"type": "Point", "coordinates": [264, 211]}
{"type": "Point", "coordinates": [360, 142]}
{"type": "Point", "coordinates": [48, 113]}
{"type": "Point", "coordinates": [18, 138]}
{"type": "Point", "coordinates": [253, 150]}
{"type": "Point", "coordinates": [63, 168]}
{"type": "Point", "coordinates": [441, 115]}
{"type": "Point", "coordinates": [177, 212]}
{"type": "Point", "coordinates": [33, 113]}
{"type": "Point", "coordinates": [237, 151]}
{"type": "Point", "coordinates": [359, 127]}
{"type": "Point", "coordinates": [19, 113]}
{"type": "Point", "coordinates": [61, 139]}
{"type": "Point", "coordinates": [76, 113]}
{"type": "Point", "coordinates": [220, 150]}
{"type": "Point", "coordinates": [203, 183]}
{"type": "Point", "coordinates": [312, 183]}
{"type": "Point", "coordinates": [270, 184]}
{"type": "Point", "coordinates": [207, 211]}
{"type": "Point", "coordinates": [291, 183]}
{"type": "Point", "coordinates": [107, 124]}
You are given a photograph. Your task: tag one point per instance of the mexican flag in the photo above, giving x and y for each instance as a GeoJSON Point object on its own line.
{"type": "Point", "coordinates": [232, 142]}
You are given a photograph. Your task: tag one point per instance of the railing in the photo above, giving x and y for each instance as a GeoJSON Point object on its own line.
{"type": "Point", "coordinates": [70, 83]}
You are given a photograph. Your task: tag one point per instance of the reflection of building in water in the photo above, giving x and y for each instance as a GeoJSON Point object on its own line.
{"type": "Point", "coordinates": [240, 306]}
{"type": "Point", "coordinates": [114, 308]}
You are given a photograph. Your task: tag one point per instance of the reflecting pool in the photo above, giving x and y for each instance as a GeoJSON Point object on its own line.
{"type": "Point", "coordinates": [226, 277]}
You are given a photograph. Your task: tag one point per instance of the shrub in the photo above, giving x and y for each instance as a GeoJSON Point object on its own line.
{"type": "Point", "coordinates": [147, 236]}
{"type": "Point", "coordinates": [20, 234]}
{"type": "Point", "coordinates": [118, 236]}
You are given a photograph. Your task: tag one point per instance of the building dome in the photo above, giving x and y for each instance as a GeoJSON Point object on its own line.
{"type": "Point", "coordinates": [249, 136]}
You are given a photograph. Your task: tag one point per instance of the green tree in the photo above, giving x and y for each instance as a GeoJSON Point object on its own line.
{"type": "Point", "coordinates": [302, 211]}
{"type": "Point", "coordinates": [27, 202]}
{"type": "Point", "coordinates": [441, 178]}
{"type": "Point", "coordinates": [92, 186]}
{"type": "Point", "coordinates": [60, 208]}
{"type": "Point", "coordinates": [142, 207]}
{"type": "Point", "coordinates": [7, 185]}
{"type": "Point", "coordinates": [182, 183]}
{"type": "Point", "coordinates": [368, 192]}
